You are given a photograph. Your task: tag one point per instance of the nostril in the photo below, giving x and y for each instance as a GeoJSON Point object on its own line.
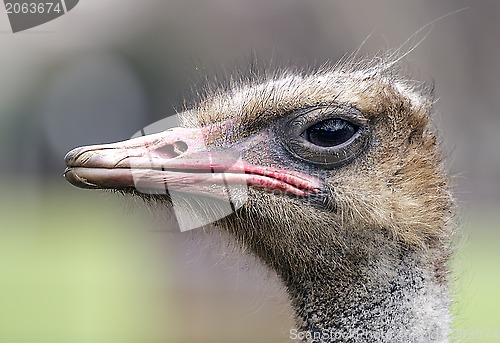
{"type": "Point", "coordinates": [180, 147]}
{"type": "Point", "coordinates": [167, 151]}
{"type": "Point", "coordinates": [172, 150]}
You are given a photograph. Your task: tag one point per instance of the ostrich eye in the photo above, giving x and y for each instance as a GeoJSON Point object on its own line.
{"type": "Point", "coordinates": [329, 137]}
{"type": "Point", "coordinates": [330, 132]}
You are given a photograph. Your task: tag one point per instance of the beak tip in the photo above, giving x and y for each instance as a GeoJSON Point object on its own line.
{"type": "Point", "coordinates": [72, 177]}
{"type": "Point", "coordinates": [70, 156]}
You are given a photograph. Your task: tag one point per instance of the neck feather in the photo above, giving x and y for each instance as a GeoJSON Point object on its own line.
{"type": "Point", "coordinates": [356, 285]}
{"type": "Point", "coordinates": [388, 297]}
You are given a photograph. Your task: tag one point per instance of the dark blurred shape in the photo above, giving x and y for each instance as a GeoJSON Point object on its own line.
{"type": "Point", "coordinates": [95, 98]}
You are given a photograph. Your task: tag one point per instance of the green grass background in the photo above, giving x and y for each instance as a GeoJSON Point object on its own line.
{"type": "Point", "coordinates": [76, 267]}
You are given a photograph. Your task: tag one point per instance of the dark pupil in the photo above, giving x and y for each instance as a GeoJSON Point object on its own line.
{"type": "Point", "coordinates": [331, 132]}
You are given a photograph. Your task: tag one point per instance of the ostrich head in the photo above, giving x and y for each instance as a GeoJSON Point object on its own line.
{"type": "Point", "coordinates": [344, 195]}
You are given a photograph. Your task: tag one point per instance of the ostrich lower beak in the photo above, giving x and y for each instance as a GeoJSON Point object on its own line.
{"type": "Point", "coordinates": [177, 160]}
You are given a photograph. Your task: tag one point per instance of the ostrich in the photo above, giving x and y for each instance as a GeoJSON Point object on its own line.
{"type": "Point", "coordinates": [345, 198]}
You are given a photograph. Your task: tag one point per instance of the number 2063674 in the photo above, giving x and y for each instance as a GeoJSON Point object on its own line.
{"type": "Point", "coordinates": [32, 7]}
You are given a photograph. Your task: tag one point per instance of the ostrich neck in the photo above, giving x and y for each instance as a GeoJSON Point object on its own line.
{"type": "Point", "coordinates": [385, 298]}
{"type": "Point", "coordinates": [355, 285]}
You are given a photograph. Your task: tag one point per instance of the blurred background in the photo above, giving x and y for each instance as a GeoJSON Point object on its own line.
{"type": "Point", "coordinates": [88, 267]}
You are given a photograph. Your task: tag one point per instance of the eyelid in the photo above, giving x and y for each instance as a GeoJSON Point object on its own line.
{"type": "Point", "coordinates": [306, 118]}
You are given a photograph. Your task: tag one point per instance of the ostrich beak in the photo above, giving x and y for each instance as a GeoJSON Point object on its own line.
{"type": "Point", "coordinates": [177, 160]}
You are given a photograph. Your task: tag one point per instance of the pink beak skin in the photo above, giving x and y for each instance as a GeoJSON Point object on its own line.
{"type": "Point", "coordinates": [178, 160]}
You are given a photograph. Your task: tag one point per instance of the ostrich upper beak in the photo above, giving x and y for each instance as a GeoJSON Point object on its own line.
{"type": "Point", "coordinates": [177, 160]}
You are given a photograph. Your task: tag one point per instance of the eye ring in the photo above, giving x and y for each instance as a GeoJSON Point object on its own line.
{"type": "Point", "coordinates": [333, 152]}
